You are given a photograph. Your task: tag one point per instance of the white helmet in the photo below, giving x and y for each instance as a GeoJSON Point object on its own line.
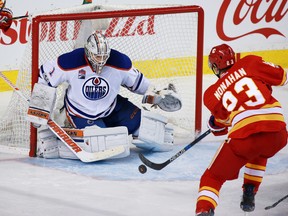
{"type": "Point", "coordinates": [97, 51]}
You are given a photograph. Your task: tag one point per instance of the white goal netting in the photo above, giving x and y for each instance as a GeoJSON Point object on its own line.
{"type": "Point", "coordinates": [163, 42]}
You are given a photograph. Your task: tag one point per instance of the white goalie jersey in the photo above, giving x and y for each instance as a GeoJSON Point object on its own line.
{"type": "Point", "coordinates": [90, 95]}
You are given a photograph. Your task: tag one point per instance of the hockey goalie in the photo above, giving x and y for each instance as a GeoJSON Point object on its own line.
{"type": "Point", "coordinates": [100, 118]}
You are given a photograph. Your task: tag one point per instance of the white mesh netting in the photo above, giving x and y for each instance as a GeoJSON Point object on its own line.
{"type": "Point", "coordinates": [162, 46]}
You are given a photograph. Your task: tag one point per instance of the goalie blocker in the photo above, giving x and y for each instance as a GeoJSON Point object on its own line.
{"type": "Point", "coordinates": [41, 104]}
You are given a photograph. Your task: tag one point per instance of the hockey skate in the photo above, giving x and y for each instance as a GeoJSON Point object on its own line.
{"type": "Point", "coordinates": [205, 213]}
{"type": "Point", "coordinates": [248, 199]}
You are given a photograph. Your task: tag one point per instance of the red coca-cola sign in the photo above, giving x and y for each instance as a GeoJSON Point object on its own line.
{"type": "Point", "coordinates": [262, 17]}
{"type": "Point", "coordinates": [253, 11]}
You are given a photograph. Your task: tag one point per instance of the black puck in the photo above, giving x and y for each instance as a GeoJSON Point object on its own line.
{"type": "Point", "coordinates": [142, 168]}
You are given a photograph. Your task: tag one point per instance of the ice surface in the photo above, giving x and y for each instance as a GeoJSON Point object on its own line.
{"type": "Point", "coordinates": [42, 187]}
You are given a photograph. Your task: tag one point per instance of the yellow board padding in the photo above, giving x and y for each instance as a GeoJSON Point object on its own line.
{"type": "Point", "coordinates": [277, 57]}
{"type": "Point", "coordinates": [169, 67]}
{"type": "Point", "coordinates": [183, 67]}
{"type": "Point", "coordinates": [12, 76]}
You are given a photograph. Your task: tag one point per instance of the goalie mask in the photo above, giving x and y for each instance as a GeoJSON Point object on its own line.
{"type": "Point", "coordinates": [97, 51]}
{"type": "Point", "coordinates": [221, 58]}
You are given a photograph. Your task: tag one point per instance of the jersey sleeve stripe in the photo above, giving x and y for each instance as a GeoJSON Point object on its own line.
{"type": "Point", "coordinates": [138, 82]}
{"type": "Point", "coordinates": [285, 78]}
{"type": "Point", "coordinates": [250, 113]}
{"type": "Point", "coordinates": [43, 76]}
{"type": "Point", "coordinates": [258, 118]}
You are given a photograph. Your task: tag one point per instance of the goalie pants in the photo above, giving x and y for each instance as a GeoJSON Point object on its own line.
{"type": "Point", "coordinates": [251, 152]}
{"type": "Point", "coordinates": [125, 114]}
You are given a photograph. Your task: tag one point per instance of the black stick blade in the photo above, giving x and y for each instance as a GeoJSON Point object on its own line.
{"type": "Point", "coordinates": [159, 166]}
{"type": "Point", "coordinates": [151, 164]}
{"type": "Point", "coordinates": [276, 203]}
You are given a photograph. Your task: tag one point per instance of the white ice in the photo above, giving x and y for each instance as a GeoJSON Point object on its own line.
{"type": "Point", "coordinates": [42, 187]}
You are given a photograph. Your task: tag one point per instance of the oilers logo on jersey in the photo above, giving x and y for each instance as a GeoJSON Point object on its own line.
{"type": "Point", "coordinates": [95, 88]}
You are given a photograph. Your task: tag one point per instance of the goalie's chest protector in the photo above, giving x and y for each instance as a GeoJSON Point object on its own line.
{"type": "Point", "coordinates": [90, 95]}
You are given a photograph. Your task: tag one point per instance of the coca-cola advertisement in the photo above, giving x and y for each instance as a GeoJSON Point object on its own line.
{"type": "Point", "coordinates": [247, 25]}
{"type": "Point", "coordinates": [259, 24]}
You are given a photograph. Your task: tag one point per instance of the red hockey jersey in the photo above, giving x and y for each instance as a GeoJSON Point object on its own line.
{"type": "Point", "coordinates": [242, 97]}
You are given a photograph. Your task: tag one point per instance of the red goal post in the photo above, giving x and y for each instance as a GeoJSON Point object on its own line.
{"type": "Point", "coordinates": [164, 42]}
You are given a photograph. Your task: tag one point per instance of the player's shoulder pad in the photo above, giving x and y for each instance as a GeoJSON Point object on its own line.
{"type": "Point", "coordinates": [72, 60]}
{"type": "Point", "coordinates": [119, 60]}
{"type": "Point", "coordinates": [251, 58]}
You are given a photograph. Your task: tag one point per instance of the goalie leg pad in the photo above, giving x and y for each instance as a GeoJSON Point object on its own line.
{"type": "Point", "coordinates": [90, 139]}
{"type": "Point", "coordinates": [47, 144]}
{"type": "Point", "coordinates": [154, 133]}
{"type": "Point", "coordinates": [65, 152]}
{"type": "Point", "coordinates": [96, 139]}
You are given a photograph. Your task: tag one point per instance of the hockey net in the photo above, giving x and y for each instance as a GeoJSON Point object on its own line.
{"type": "Point", "coordinates": [164, 42]}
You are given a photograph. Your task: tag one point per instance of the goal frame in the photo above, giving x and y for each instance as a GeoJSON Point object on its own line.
{"type": "Point", "coordinates": [120, 13]}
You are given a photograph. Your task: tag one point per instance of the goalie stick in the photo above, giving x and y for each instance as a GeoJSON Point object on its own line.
{"type": "Point", "coordinates": [159, 166]}
{"type": "Point", "coordinates": [84, 156]}
{"type": "Point", "coordinates": [276, 203]}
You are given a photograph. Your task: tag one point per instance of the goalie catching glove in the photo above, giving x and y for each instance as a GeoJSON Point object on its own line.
{"type": "Point", "coordinates": [216, 128]}
{"type": "Point", "coordinates": [167, 99]}
{"type": "Point", "coordinates": [6, 16]}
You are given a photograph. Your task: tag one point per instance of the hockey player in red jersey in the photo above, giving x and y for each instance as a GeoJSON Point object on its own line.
{"type": "Point", "coordinates": [6, 16]}
{"type": "Point", "coordinates": [242, 100]}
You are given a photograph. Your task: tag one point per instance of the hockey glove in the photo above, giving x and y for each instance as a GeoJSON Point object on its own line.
{"type": "Point", "coordinates": [6, 16]}
{"type": "Point", "coordinates": [166, 99]}
{"type": "Point", "coordinates": [217, 130]}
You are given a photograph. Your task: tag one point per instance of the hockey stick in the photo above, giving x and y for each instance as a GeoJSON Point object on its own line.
{"type": "Point", "coordinates": [84, 156]}
{"type": "Point", "coordinates": [13, 18]}
{"type": "Point", "coordinates": [276, 203]}
{"type": "Point", "coordinates": [159, 166]}
{"type": "Point", "coordinates": [19, 17]}
{"type": "Point", "coordinates": [25, 16]}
